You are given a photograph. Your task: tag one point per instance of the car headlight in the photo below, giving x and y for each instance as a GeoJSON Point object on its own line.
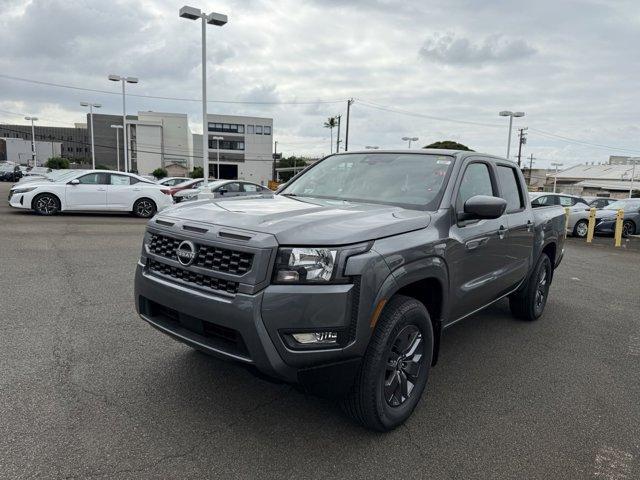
{"type": "Point", "coordinates": [23, 190]}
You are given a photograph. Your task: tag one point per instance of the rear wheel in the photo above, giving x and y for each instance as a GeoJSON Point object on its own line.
{"type": "Point", "coordinates": [46, 204]}
{"type": "Point", "coordinates": [395, 369]}
{"type": "Point", "coordinates": [529, 303]}
{"type": "Point", "coordinates": [628, 228]}
{"type": "Point", "coordinates": [580, 229]}
{"type": "Point", "coordinates": [144, 208]}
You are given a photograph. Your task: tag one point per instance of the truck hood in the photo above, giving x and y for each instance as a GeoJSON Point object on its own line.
{"type": "Point", "coordinates": [298, 222]}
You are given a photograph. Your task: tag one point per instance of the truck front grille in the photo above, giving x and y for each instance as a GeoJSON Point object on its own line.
{"type": "Point", "coordinates": [193, 278]}
{"type": "Point", "coordinates": [213, 258]}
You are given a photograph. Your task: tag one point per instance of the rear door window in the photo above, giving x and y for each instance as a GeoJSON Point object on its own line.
{"type": "Point", "coordinates": [510, 188]}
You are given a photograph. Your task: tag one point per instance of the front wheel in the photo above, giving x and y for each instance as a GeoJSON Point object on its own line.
{"type": "Point", "coordinates": [395, 368]}
{"type": "Point", "coordinates": [46, 204]}
{"type": "Point", "coordinates": [144, 208]}
{"type": "Point", "coordinates": [628, 228]}
{"type": "Point", "coordinates": [529, 303]}
{"type": "Point", "coordinates": [581, 228]}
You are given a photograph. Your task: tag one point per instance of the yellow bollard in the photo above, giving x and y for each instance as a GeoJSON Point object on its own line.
{"type": "Point", "coordinates": [618, 232]}
{"type": "Point", "coordinates": [592, 224]}
{"type": "Point", "coordinates": [566, 219]}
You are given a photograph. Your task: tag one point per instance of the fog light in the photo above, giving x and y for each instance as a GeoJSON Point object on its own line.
{"type": "Point", "coordinates": [317, 338]}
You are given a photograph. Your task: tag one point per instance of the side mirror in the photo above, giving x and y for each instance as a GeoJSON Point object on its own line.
{"type": "Point", "coordinates": [222, 191]}
{"type": "Point", "coordinates": [483, 207]}
{"type": "Point", "coordinates": [75, 181]}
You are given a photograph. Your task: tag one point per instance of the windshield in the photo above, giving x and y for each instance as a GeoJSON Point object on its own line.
{"type": "Point", "coordinates": [624, 205]}
{"type": "Point", "coordinates": [404, 179]}
{"type": "Point", "coordinates": [61, 177]}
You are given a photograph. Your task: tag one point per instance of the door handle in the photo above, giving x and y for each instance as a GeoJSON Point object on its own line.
{"type": "Point", "coordinates": [529, 225]}
{"type": "Point", "coordinates": [102, 189]}
{"type": "Point", "coordinates": [473, 244]}
{"type": "Point", "coordinates": [137, 189]}
{"type": "Point", "coordinates": [501, 232]}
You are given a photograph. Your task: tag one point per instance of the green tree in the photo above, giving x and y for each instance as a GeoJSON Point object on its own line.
{"type": "Point", "coordinates": [449, 145]}
{"type": "Point", "coordinates": [288, 162]}
{"type": "Point", "coordinates": [102, 167]}
{"type": "Point", "coordinates": [198, 172]}
{"type": "Point", "coordinates": [331, 123]}
{"type": "Point", "coordinates": [160, 173]}
{"type": "Point", "coordinates": [57, 163]}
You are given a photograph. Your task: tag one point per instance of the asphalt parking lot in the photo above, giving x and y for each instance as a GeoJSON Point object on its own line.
{"type": "Point", "coordinates": [87, 390]}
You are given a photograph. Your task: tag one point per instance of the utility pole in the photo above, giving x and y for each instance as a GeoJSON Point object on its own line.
{"type": "Point", "coordinates": [346, 133]}
{"type": "Point", "coordinates": [339, 117]}
{"type": "Point", "coordinates": [523, 140]}
{"type": "Point", "coordinates": [530, 168]}
{"type": "Point", "coordinates": [275, 156]}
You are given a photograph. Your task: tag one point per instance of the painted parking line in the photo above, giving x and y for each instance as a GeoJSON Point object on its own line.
{"type": "Point", "coordinates": [634, 345]}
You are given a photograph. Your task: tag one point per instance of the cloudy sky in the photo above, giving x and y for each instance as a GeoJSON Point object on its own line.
{"type": "Point", "coordinates": [432, 69]}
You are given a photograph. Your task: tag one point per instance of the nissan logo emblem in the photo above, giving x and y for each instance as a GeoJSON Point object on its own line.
{"type": "Point", "coordinates": [186, 253]}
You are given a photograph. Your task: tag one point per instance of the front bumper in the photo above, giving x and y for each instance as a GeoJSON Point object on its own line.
{"type": "Point", "coordinates": [20, 200]}
{"type": "Point", "coordinates": [248, 328]}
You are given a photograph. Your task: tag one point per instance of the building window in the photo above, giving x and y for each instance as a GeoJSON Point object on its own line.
{"type": "Point", "coordinates": [250, 129]}
{"type": "Point", "coordinates": [267, 130]}
{"type": "Point", "coordinates": [258, 129]}
{"type": "Point", "coordinates": [240, 128]}
{"type": "Point", "coordinates": [226, 127]}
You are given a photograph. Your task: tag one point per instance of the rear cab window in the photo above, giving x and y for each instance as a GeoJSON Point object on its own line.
{"type": "Point", "coordinates": [510, 188]}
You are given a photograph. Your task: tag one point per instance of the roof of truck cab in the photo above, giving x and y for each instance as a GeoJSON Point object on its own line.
{"type": "Point", "coordinates": [432, 151]}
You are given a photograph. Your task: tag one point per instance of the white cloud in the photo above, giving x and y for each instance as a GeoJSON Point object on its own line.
{"type": "Point", "coordinates": [451, 49]}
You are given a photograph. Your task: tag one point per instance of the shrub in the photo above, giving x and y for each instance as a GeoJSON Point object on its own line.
{"type": "Point", "coordinates": [198, 172]}
{"type": "Point", "coordinates": [160, 173]}
{"type": "Point", "coordinates": [102, 167]}
{"type": "Point", "coordinates": [57, 163]}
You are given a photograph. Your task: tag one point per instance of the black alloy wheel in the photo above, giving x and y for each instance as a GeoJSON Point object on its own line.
{"type": "Point", "coordinates": [46, 204]}
{"type": "Point", "coordinates": [404, 360]}
{"type": "Point", "coordinates": [144, 208]}
{"type": "Point", "coordinates": [628, 228]}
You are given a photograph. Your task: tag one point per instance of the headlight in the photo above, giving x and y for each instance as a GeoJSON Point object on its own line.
{"type": "Point", "coordinates": [22, 190]}
{"type": "Point", "coordinates": [305, 265]}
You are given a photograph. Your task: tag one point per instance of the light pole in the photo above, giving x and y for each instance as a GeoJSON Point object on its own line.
{"type": "Point", "coordinates": [33, 139]}
{"type": "Point", "coordinates": [117, 128]}
{"type": "Point", "coordinates": [555, 177]}
{"type": "Point", "coordinates": [218, 19]}
{"type": "Point", "coordinates": [217, 139]}
{"type": "Point", "coordinates": [93, 148]}
{"type": "Point", "coordinates": [510, 114]}
{"type": "Point", "coordinates": [119, 78]}
{"type": "Point", "coordinates": [633, 174]}
{"type": "Point", "coordinates": [410, 139]}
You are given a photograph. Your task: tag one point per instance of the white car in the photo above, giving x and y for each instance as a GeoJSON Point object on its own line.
{"type": "Point", "coordinates": [92, 190]}
{"type": "Point", "coordinates": [222, 189]}
{"type": "Point", "coordinates": [173, 181]}
{"type": "Point", "coordinates": [52, 177]}
{"type": "Point", "coordinates": [578, 209]}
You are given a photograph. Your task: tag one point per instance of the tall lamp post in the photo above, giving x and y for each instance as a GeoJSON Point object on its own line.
{"type": "Point", "coordinates": [219, 20]}
{"type": "Point", "coordinates": [410, 139]}
{"type": "Point", "coordinates": [117, 128]}
{"type": "Point", "coordinates": [119, 78]}
{"type": "Point", "coordinates": [510, 114]}
{"type": "Point", "coordinates": [217, 139]}
{"type": "Point", "coordinates": [93, 147]}
{"type": "Point", "coordinates": [633, 174]}
{"type": "Point", "coordinates": [33, 139]}
{"type": "Point", "coordinates": [555, 177]}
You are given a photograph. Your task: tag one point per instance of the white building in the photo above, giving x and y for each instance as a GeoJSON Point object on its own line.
{"type": "Point", "coordinates": [161, 139]}
{"type": "Point", "coordinates": [246, 147]}
{"type": "Point", "coordinates": [18, 150]}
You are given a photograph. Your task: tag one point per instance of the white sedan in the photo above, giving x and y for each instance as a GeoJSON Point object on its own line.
{"type": "Point", "coordinates": [222, 188]}
{"type": "Point", "coordinates": [92, 190]}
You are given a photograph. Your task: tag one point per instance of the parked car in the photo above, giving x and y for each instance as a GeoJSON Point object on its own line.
{"type": "Point", "coordinates": [53, 176]}
{"type": "Point", "coordinates": [10, 173]}
{"type": "Point", "coordinates": [599, 202]}
{"type": "Point", "coordinates": [606, 217]}
{"type": "Point", "coordinates": [92, 190]}
{"type": "Point", "coordinates": [222, 188]}
{"type": "Point", "coordinates": [578, 209]}
{"type": "Point", "coordinates": [191, 184]}
{"type": "Point", "coordinates": [173, 181]}
{"type": "Point", "coordinates": [344, 281]}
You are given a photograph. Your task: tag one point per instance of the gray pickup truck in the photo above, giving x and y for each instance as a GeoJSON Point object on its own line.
{"type": "Point", "coordinates": [344, 280]}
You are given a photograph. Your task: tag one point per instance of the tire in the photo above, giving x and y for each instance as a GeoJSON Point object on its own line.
{"type": "Point", "coordinates": [580, 229]}
{"type": "Point", "coordinates": [144, 208]}
{"type": "Point", "coordinates": [389, 385]}
{"type": "Point", "coordinates": [530, 302]}
{"type": "Point", "coordinates": [628, 228]}
{"type": "Point", "coordinates": [46, 204]}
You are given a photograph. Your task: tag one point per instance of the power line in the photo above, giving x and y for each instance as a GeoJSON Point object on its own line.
{"type": "Point", "coordinates": [581, 142]}
{"type": "Point", "coordinates": [157, 97]}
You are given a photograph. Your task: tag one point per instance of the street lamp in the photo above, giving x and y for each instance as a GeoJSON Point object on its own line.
{"type": "Point", "coordinates": [555, 177]}
{"type": "Point", "coordinates": [117, 127]}
{"type": "Point", "coordinates": [410, 139]}
{"type": "Point", "coordinates": [93, 150]}
{"type": "Point", "coordinates": [33, 139]}
{"type": "Point", "coordinates": [118, 78]}
{"type": "Point", "coordinates": [217, 139]}
{"type": "Point", "coordinates": [507, 113]}
{"type": "Point", "coordinates": [633, 174]}
{"type": "Point", "coordinates": [219, 20]}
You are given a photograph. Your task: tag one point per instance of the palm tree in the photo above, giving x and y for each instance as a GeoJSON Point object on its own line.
{"type": "Point", "coordinates": [331, 123]}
